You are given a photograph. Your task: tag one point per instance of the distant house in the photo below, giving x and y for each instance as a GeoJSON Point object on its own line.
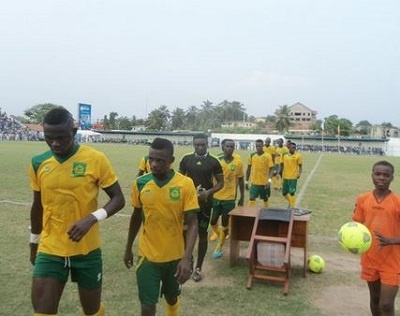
{"type": "Point", "coordinates": [299, 113]}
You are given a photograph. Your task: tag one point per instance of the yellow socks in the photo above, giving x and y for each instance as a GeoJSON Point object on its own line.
{"type": "Point", "coordinates": [292, 200]}
{"type": "Point", "coordinates": [222, 234]}
{"type": "Point", "coordinates": [172, 310]}
{"type": "Point", "coordinates": [252, 203]}
{"type": "Point", "coordinates": [215, 233]}
{"type": "Point", "coordinates": [266, 204]}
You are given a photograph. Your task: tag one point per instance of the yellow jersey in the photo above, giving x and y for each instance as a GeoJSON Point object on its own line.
{"type": "Point", "coordinates": [279, 152]}
{"type": "Point", "coordinates": [260, 166]}
{"type": "Point", "coordinates": [291, 165]}
{"type": "Point", "coordinates": [144, 164]}
{"type": "Point", "coordinates": [164, 204]}
{"type": "Point", "coordinates": [233, 170]}
{"type": "Point", "coordinates": [69, 192]}
{"type": "Point", "coordinates": [271, 150]}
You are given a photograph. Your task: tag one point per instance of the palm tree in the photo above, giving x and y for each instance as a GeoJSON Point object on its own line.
{"type": "Point", "coordinates": [282, 119]}
{"type": "Point", "coordinates": [178, 119]}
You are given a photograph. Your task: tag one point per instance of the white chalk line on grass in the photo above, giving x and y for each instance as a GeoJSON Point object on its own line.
{"type": "Point", "coordinates": [305, 185]}
{"type": "Point", "coordinates": [29, 204]}
{"type": "Point", "coordinates": [298, 199]}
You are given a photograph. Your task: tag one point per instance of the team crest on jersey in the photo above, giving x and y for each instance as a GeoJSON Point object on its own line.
{"type": "Point", "coordinates": [79, 169]}
{"type": "Point", "coordinates": [198, 163]}
{"type": "Point", "coordinates": [175, 193]}
{"type": "Point", "coordinates": [233, 167]}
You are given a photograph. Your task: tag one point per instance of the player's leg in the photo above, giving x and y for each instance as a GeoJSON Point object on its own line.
{"type": "Point", "coordinates": [203, 218]}
{"type": "Point", "coordinates": [292, 192]}
{"type": "Point", "coordinates": [171, 289]}
{"type": "Point", "coordinates": [265, 193]}
{"type": "Point", "coordinates": [49, 277]}
{"type": "Point", "coordinates": [149, 276]}
{"type": "Point", "coordinates": [387, 298]}
{"type": "Point", "coordinates": [87, 272]}
{"type": "Point", "coordinates": [253, 194]}
{"type": "Point", "coordinates": [227, 206]}
{"type": "Point", "coordinates": [374, 297]}
{"type": "Point", "coordinates": [214, 219]}
{"type": "Point", "coordinates": [285, 190]}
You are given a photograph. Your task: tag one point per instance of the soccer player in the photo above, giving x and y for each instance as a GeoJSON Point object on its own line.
{"type": "Point", "coordinates": [270, 148]}
{"type": "Point", "coordinates": [224, 200]}
{"type": "Point", "coordinates": [379, 211]}
{"type": "Point", "coordinates": [280, 150]}
{"type": "Point", "coordinates": [205, 170]}
{"type": "Point", "coordinates": [290, 170]}
{"type": "Point", "coordinates": [144, 166]}
{"type": "Point", "coordinates": [64, 216]}
{"type": "Point", "coordinates": [162, 200]}
{"type": "Point", "coordinates": [261, 168]}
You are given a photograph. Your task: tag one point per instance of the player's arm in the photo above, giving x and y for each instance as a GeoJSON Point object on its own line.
{"type": "Point", "coordinates": [241, 190]}
{"type": "Point", "coordinates": [115, 203]}
{"type": "Point", "coordinates": [386, 241]}
{"type": "Point", "coordinates": [184, 267]}
{"type": "Point", "coordinates": [134, 226]}
{"type": "Point", "coordinates": [36, 224]}
{"type": "Point", "coordinates": [300, 170]}
{"type": "Point", "coordinates": [280, 169]}
{"type": "Point", "coordinates": [248, 172]}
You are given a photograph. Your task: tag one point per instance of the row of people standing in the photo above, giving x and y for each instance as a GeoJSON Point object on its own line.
{"type": "Point", "coordinates": [168, 206]}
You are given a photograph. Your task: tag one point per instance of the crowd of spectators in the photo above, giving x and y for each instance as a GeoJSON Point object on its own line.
{"type": "Point", "coordinates": [343, 149]}
{"type": "Point", "coordinates": [13, 129]}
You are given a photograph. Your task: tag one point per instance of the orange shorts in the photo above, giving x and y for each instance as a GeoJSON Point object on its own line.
{"type": "Point", "coordinates": [371, 274]}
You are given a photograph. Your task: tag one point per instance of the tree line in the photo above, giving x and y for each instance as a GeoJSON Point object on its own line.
{"type": "Point", "coordinates": [208, 116]}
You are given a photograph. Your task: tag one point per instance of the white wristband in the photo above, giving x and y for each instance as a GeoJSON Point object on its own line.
{"type": "Point", "coordinates": [34, 238]}
{"type": "Point", "coordinates": [100, 214]}
{"type": "Point", "coordinates": [269, 180]}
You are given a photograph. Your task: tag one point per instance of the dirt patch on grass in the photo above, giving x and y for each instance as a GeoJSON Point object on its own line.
{"type": "Point", "coordinates": [350, 296]}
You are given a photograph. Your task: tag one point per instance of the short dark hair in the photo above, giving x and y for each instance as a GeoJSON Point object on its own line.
{"type": "Point", "coordinates": [259, 141]}
{"type": "Point", "coordinates": [58, 115]}
{"type": "Point", "coordinates": [200, 136]}
{"type": "Point", "coordinates": [226, 140]}
{"type": "Point", "coordinates": [383, 163]}
{"type": "Point", "coordinates": [163, 143]}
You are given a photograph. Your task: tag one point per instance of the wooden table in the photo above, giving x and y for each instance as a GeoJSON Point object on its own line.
{"type": "Point", "coordinates": [242, 222]}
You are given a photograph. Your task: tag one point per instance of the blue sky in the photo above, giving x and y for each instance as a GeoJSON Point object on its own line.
{"type": "Point", "coordinates": [336, 57]}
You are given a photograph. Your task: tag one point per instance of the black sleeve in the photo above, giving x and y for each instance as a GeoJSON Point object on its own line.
{"type": "Point", "coordinates": [182, 166]}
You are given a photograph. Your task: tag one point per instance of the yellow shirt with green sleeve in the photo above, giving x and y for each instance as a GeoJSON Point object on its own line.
{"type": "Point", "coordinates": [69, 190]}
{"type": "Point", "coordinates": [260, 165]}
{"type": "Point", "coordinates": [164, 204]}
{"type": "Point", "coordinates": [291, 163]}
{"type": "Point", "coordinates": [232, 170]}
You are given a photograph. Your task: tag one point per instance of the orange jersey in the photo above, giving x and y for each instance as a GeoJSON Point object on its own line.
{"type": "Point", "coordinates": [382, 217]}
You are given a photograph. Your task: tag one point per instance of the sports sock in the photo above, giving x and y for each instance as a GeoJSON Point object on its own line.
{"type": "Point", "coordinates": [215, 228]}
{"type": "Point", "coordinates": [222, 234]}
{"type": "Point", "coordinates": [266, 204]}
{"type": "Point", "coordinates": [292, 200]}
{"type": "Point", "coordinates": [172, 310]}
{"type": "Point", "coordinates": [252, 203]}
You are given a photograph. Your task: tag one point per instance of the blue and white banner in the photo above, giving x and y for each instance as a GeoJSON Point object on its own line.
{"type": "Point", "coordinates": [84, 116]}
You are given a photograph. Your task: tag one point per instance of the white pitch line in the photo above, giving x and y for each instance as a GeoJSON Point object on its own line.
{"type": "Point", "coordinates": [305, 185]}
{"type": "Point", "coordinates": [14, 203]}
{"type": "Point", "coordinates": [29, 204]}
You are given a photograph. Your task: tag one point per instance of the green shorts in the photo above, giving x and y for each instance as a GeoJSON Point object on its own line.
{"type": "Point", "coordinates": [149, 276]}
{"type": "Point", "coordinates": [289, 186]}
{"type": "Point", "coordinates": [86, 270]}
{"type": "Point", "coordinates": [222, 207]}
{"type": "Point", "coordinates": [260, 191]}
